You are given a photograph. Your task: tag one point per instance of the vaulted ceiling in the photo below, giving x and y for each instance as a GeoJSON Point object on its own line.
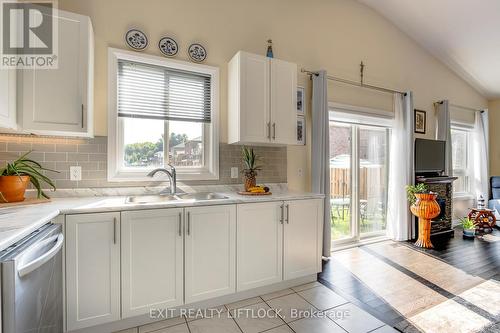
{"type": "Point", "coordinates": [463, 34]}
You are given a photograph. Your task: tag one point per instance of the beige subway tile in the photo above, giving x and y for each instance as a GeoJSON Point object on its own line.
{"type": "Point", "coordinates": [43, 147]}
{"type": "Point", "coordinates": [94, 175]}
{"type": "Point", "coordinates": [89, 183]}
{"type": "Point", "coordinates": [36, 156]}
{"type": "Point", "coordinates": [60, 183]}
{"type": "Point", "coordinates": [21, 147]}
{"type": "Point", "coordinates": [66, 148]}
{"type": "Point", "coordinates": [78, 157]}
{"type": "Point", "coordinates": [88, 148]}
{"type": "Point", "coordinates": [57, 157]}
{"type": "Point", "coordinates": [89, 166]}
{"type": "Point", "coordinates": [8, 156]}
{"type": "Point", "coordinates": [98, 157]}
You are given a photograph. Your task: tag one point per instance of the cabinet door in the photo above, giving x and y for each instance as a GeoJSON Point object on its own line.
{"type": "Point", "coordinates": [8, 99]}
{"type": "Point", "coordinates": [59, 101]}
{"type": "Point", "coordinates": [152, 260]}
{"type": "Point", "coordinates": [92, 269]}
{"type": "Point", "coordinates": [259, 242]}
{"type": "Point", "coordinates": [283, 102]}
{"type": "Point", "coordinates": [210, 252]}
{"type": "Point", "coordinates": [302, 237]}
{"type": "Point", "coordinates": [253, 81]}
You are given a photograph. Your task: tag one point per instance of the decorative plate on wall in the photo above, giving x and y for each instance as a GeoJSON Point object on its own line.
{"type": "Point", "coordinates": [136, 39]}
{"type": "Point", "coordinates": [168, 46]}
{"type": "Point", "coordinates": [197, 53]}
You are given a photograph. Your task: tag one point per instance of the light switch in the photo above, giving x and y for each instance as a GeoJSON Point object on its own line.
{"type": "Point", "coordinates": [234, 172]}
{"type": "Point", "coordinates": [75, 173]}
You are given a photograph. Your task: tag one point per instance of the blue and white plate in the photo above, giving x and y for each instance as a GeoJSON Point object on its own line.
{"type": "Point", "coordinates": [197, 53]}
{"type": "Point", "coordinates": [168, 46]}
{"type": "Point", "coordinates": [136, 39]}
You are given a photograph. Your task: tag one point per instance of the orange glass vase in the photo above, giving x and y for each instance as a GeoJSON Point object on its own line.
{"type": "Point", "coordinates": [425, 208]}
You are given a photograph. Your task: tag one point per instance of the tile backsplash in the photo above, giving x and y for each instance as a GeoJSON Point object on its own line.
{"type": "Point", "coordinates": [91, 154]}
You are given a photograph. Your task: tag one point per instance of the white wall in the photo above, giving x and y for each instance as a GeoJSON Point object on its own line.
{"type": "Point", "coordinates": [317, 34]}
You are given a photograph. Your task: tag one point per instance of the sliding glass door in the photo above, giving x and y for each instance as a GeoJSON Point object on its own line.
{"type": "Point", "coordinates": [359, 157]}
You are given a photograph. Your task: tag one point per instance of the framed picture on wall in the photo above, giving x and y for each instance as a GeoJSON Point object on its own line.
{"type": "Point", "coordinates": [301, 130]}
{"type": "Point", "coordinates": [301, 101]}
{"type": "Point", "coordinates": [420, 121]}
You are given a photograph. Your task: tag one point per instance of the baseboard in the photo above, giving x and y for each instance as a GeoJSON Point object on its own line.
{"type": "Point", "coordinates": [211, 303]}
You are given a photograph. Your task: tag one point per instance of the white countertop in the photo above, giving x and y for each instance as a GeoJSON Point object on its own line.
{"type": "Point", "coordinates": [18, 222]}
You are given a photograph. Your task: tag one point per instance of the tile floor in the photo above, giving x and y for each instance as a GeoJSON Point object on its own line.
{"type": "Point", "coordinates": [284, 311]}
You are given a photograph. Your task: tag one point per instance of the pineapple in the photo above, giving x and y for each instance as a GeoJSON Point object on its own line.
{"type": "Point", "coordinates": [250, 167]}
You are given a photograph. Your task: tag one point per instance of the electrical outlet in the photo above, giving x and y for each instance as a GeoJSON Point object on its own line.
{"type": "Point", "coordinates": [234, 172]}
{"type": "Point", "coordinates": [75, 173]}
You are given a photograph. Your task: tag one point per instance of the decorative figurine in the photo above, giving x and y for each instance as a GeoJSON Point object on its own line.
{"type": "Point", "coordinates": [269, 53]}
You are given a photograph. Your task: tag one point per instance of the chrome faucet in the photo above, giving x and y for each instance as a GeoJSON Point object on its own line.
{"type": "Point", "coordinates": [172, 176]}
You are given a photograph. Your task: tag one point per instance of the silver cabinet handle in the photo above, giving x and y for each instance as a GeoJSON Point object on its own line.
{"type": "Point", "coordinates": [114, 230]}
{"type": "Point", "coordinates": [282, 214]}
{"type": "Point", "coordinates": [180, 224]}
{"type": "Point", "coordinates": [269, 130]}
{"type": "Point", "coordinates": [274, 131]}
{"type": "Point", "coordinates": [189, 224]}
{"type": "Point", "coordinates": [287, 214]}
{"type": "Point", "coordinates": [83, 116]}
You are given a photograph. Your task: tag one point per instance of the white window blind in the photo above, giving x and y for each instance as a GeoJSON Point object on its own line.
{"type": "Point", "coordinates": [155, 92]}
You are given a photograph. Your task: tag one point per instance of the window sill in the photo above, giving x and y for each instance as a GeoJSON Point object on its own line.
{"type": "Point", "coordinates": [142, 177]}
{"type": "Point", "coordinates": [463, 196]}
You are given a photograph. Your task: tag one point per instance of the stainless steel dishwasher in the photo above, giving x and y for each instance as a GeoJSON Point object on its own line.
{"type": "Point", "coordinates": [32, 283]}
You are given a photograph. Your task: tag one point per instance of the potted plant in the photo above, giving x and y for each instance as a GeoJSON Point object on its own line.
{"type": "Point", "coordinates": [15, 176]}
{"type": "Point", "coordinates": [468, 226]}
{"type": "Point", "coordinates": [250, 167]}
{"type": "Point", "coordinates": [425, 207]}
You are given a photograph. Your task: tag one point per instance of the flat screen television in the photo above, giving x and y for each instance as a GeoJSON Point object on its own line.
{"type": "Point", "coordinates": [430, 156]}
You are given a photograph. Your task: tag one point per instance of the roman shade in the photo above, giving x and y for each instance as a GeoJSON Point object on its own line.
{"type": "Point", "coordinates": [156, 92]}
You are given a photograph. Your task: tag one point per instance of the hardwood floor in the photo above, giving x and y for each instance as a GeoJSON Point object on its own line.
{"type": "Point", "coordinates": [411, 288]}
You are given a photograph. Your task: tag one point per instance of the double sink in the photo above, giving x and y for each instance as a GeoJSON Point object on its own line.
{"type": "Point", "coordinates": [201, 196]}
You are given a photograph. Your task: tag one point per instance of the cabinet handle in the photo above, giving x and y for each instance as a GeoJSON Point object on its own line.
{"type": "Point", "coordinates": [282, 214]}
{"type": "Point", "coordinates": [189, 224]}
{"type": "Point", "coordinates": [114, 230]}
{"type": "Point", "coordinates": [274, 131]}
{"type": "Point", "coordinates": [180, 224]}
{"type": "Point", "coordinates": [82, 116]}
{"type": "Point", "coordinates": [269, 130]}
{"type": "Point", "coordinates": [287, 214]}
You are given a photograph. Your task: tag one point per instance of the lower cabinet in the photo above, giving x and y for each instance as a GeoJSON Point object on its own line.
{"type": "Point", "coordinates": [302, 237]}
{"type": "Point", "coordinates": [210, 252]}
{"type": "Point", "coordinates": [92, 269]}
{"type": "Point", "coordinates": [119, 265]}
{"type": "Point", "coordinates": [259, 244]}
{"type": "Point", "coordinates": [152, 260]}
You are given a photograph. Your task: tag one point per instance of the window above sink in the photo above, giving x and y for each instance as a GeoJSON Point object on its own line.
{"type": "Point", "coordinates": [161, 111]}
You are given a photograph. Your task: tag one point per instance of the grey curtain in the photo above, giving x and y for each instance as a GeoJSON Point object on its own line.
{"type": "Point", "coordinates": [410, 155]}
{"type": "Point", "coordinates": [321, 151]}
{"type": "Point", "coordinates": [443, 132]}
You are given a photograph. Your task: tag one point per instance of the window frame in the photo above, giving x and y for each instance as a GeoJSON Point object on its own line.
{"type": "Point", "coordinates": [463, 172]}
{"type": "Point", "coordinates": [116, 172]}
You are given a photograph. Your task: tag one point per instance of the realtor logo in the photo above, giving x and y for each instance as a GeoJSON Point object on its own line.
{"type": "Point", "coordinates": [29, 34]}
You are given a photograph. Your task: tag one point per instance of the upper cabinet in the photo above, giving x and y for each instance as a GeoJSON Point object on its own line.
{"type": "Point", "coordinates": [8, 99]}
{"type": "Point", "coordinates": [60, 101]}
{"type": "Point", "coordinates": [262, 100]}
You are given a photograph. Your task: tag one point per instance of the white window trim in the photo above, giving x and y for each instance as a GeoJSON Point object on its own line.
{"type": "Point", "coordinates": [115, 134]}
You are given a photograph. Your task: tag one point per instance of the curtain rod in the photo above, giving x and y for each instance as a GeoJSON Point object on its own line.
{"type": "Point", "coordinates": [462, 107]}
{"type": "Point", "coordinates": [354, 83]}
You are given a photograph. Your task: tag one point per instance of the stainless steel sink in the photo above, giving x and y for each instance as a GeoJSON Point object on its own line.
{"type": "Point", "coordinates": [145, 199]}
{"type": "Point", "coordinates": [201, 196]}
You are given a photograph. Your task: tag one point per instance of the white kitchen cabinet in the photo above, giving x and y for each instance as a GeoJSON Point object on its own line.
{"type": "Point", "coordinates": [8, 99]}
{"type": "Point", "coordinates": [60, 101]}
{"type": "Point", "coordinates": [92, 269]}
{"type": "Point", "coordinates": [262, 95]}
{"type": "Point", "coordinates": [302, 238]}
{"type": "Point", "coordinates": [210, 252]}
{"type": "Point", "coordinates": [259, 244]}
{"type": "Point", "coordinates": [152, 260]}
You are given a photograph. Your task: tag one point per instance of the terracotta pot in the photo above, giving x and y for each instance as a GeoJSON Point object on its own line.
{"type": "Point", "coordinates": [425, 208]}
{"type": "Point", "coordinates": [13, 188]}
